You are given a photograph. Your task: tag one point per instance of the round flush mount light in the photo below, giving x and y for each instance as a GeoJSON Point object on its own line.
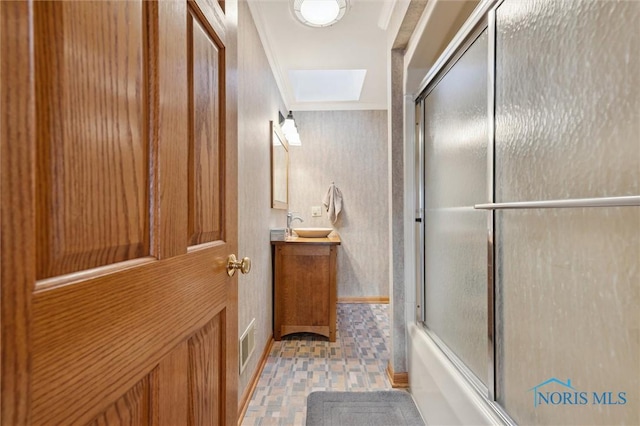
{"type": "Point", "coordinates": [319, 13]}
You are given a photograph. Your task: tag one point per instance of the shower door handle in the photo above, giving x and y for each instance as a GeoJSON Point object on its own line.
{"type": "Point", "coordinates": [563, 204]}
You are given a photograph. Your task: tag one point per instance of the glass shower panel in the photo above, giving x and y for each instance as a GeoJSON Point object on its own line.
{"type": "Point", "coordinates": [567, 280]}
{"type": "Point", "coordinates": [567, 99]}
{"type": "Point", "coordinates": [567, 307]}
{"type": "Point", "coordinates": [455, 234]}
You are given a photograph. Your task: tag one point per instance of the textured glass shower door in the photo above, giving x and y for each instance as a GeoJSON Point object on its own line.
{"type": "Point", "coordinates": [455, 145]}
{"type": "Point", "coordinates": [567, 127]}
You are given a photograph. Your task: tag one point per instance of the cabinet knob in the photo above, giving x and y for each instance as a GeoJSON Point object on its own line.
{"type": "Point", "coordinates": [233, 264]}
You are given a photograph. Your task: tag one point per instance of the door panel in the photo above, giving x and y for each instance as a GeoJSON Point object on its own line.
{"type": "Point", "coordinates": [567, 280]}
{"type": "Point", "coordinates": [205, 213]}
{"type": "Point", "coordinates": [130, 409]}
{"type": "Point", "coordinates": [573, 271]}
{"type": "Point", "coordinates": [573, 128]}
{"type": "Point", "coordinates": [111, 332]}
{"type": "Point", "coordinates": [91, 144]}
{"type": "Point", "coordinates": [122, 323]}
{"type": "Point", "coordinates": [171, 402]}
{"type": "Point", "coordinates": [205, 362]}
{"type": "Point", "coordinates": [455, 146]}
{"type": "Point", "coordinates": [168, 60]}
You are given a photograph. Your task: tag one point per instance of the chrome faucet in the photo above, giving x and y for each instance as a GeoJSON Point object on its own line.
{"type": "Point", "coordinates": [291, 218]}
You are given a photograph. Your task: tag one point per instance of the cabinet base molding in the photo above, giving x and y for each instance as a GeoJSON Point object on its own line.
{"type": "Point", "coordinates": [323, 330]}
{"type": "Point", "coordinates": [373, 300]}
{"type": "Point", "coordinates": [398, 380]}
{"type": "Point", "coordinates": [246, 395]}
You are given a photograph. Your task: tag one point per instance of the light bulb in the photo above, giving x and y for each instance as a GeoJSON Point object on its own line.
{"type": "Point", "coordinates": [320, 12]}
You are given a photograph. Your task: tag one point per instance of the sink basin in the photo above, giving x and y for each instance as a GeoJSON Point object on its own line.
{"type": "Point", "coordinates": [312, 232]}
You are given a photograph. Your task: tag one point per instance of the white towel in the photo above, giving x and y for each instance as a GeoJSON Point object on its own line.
{"type": "Point", "coordinates": [333, 202]}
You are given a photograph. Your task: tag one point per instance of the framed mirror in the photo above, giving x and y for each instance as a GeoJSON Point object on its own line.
{"type": "Point", "coordinates": [279, 168]}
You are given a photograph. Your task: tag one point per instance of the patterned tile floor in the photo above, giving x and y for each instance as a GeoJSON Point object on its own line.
{"type": "Point", "coordinates": [303, 363]}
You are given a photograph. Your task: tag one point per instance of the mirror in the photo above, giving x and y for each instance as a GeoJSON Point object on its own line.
{"type": "Point", "coordinates": [279, 168]}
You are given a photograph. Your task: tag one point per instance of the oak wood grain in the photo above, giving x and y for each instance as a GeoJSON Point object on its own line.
{"type": "Point", "coordinates": [206, 140]}
{"type": "Point", "coordinates": [228, 14]}
{"type": "Point", "coordinates": [131, 409]}
{"type": "Point", "coordinates": [305, 288]}
{"type": "Point", "coordinates": [398, 380]}
{"type": "Point", "coordinates": [218, 21]}
{"type": "Point", "coordinates": [332, 239]}
{"type": "Point", "coordinates": [368, 299]}
{"type": "Point", "coordinates": [91, 100]}
{"type": "Point", "coordinates": [92, 341]}
{"type": "Point", "coordinates": [17, 212]}
{"type": "Point", "coordinates": [169, 108]}
{"type": "Point", "coordinates": [106, 328]}
{"type": "Point", "coordinates": [170, 389]}
{"type": "Point", "coordinates": [205, 368]}
{"type": "Point", "coordinates": [92, 152]}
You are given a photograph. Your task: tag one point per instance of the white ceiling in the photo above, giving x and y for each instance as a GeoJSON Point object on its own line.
{"type": "Point", "coordinates": [358, 42]}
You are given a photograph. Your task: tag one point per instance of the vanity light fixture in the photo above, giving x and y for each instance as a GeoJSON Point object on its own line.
{"type": "Point", "coordinates": [319, 13]}
{"type": "Point", "coordinates": [290, 130]}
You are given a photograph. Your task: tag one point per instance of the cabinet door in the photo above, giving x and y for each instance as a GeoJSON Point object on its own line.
{"type": "Point", "coordinates": [117, 166]}
{"type": "Point", "coordinates": [305, 289]}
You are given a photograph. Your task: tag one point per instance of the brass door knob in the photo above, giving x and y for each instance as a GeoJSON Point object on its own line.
{"type": "Point", "coordinates": [233, 263]}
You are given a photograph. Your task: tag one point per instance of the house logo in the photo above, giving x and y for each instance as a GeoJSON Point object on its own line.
{"type": "Point", "coordinates": [554, 391]}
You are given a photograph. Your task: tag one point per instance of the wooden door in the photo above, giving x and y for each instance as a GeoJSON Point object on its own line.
{"type": "Point", "coordinates": [118, 209]}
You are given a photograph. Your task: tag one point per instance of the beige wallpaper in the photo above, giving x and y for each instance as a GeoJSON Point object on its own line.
{"type": "Point", "coordinates": [259, 102]}
{"type": "Point", "coordinates": [349, 148]}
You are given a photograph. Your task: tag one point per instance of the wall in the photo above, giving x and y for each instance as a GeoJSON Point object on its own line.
{"type": "Point", "coordinates": [259, 102]}
{"type": "Point", "coordinates": [397, 224]}
{"type": "Point", "coordinates": [350, 149]}
{"type": "Point", "coordinates": [406, 44]}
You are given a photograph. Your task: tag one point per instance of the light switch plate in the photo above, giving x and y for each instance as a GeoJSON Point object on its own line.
{"type": "Point", "coordinates": [316, 211]}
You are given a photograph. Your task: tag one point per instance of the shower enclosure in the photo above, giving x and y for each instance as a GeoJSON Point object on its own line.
{"type": "Point", "coordinates": [528, 159]}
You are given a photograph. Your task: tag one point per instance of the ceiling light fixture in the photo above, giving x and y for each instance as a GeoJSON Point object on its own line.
{"type": "Point", "coordinates": [290, 130]}
{"type": "Point", "coordinates": [319, 13]}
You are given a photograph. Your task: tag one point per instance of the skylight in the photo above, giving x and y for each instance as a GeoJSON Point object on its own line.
{"type": "Point", "coordinates": [327, 85]}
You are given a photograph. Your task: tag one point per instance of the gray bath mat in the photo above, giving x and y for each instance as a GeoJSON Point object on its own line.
{"type": "Point", "coordinates": [380, 408]}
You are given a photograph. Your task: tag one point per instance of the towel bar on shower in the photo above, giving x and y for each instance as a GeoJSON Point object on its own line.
{"type": "Point", "coordinates": [560, 204]}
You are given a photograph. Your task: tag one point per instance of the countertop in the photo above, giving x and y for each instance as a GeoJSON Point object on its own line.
{"type": "Point", "coordinates": [331, 239]}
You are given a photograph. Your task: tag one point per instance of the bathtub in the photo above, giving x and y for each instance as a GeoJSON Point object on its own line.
{"type": "Point", "coordinates": [442, 394]}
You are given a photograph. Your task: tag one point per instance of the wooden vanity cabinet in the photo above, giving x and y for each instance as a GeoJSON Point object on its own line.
{"type": "Point", "coordinates": [305, 286]}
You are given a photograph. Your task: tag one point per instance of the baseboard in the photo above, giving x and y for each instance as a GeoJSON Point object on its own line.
{"type": "Point", "coordinates": [375, 299]}
{"type": "Point", "coordinates": [246, 395]}
{"type": "Point", "coordinates": [398, 380]}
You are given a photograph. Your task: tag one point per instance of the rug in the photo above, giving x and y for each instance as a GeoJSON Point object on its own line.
{"type": "Point", "coordinates": [380, 408]}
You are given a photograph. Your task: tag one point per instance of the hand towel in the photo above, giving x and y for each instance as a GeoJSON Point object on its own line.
{"type": "Point", "coordinates": [333, 202]}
